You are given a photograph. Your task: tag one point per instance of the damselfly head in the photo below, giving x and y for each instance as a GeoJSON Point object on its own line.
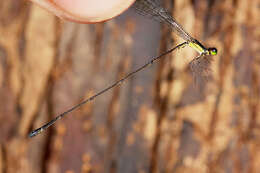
{"type": "Point", "coordinates": [213, 51]}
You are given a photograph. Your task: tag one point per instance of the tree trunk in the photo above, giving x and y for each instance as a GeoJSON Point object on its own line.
{"type": "Point", "coordinates": [160, 120]}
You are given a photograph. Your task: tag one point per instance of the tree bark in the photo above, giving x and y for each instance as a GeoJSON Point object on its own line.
{"type": "Point", "coordinates": [158, 121]}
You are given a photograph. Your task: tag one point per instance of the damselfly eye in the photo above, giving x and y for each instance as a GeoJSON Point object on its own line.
{"type": "Point", "coordinates": [213, 51]}
{"type": "Point", "coordinates": [85, 11]}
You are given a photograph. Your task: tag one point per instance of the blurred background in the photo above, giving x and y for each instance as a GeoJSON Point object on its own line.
{"type": "Point", "coordinates": [158, 121]}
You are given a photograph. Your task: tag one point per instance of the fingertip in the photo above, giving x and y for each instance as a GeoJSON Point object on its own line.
{"type": "Point", "coordinates": [86, 11]}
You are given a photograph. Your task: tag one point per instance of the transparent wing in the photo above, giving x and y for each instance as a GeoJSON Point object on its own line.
{"type": "Point", "coordinates": [143, 7]}
{"type": "Point", "coordinates": [153, 10]}
{"type": "Point", "coordinates": [201, 71]}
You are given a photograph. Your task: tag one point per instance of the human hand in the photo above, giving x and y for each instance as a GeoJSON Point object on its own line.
{"type": "Point", "coordinates": [85, 11]}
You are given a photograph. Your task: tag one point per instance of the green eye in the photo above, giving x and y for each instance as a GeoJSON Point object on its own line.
{"type": "Point", "coordinates": [213, 51]}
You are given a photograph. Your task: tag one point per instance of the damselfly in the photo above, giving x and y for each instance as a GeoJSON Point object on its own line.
{"type": "Point", "coordinates": [155, 11]}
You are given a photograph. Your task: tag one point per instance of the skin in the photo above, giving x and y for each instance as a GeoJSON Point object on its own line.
{"type": "Point", "coordinates": [85, 11]}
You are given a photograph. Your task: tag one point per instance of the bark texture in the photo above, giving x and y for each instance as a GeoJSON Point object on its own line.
{"type": "Point", "coordinates": [158, 121]}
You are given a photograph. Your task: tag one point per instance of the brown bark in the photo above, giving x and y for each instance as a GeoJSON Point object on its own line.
{"type": "Point", "coordinates": [158, 121]}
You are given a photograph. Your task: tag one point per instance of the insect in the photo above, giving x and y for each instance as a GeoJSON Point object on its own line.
{"type": "Point", "coordinates": [152, 9]}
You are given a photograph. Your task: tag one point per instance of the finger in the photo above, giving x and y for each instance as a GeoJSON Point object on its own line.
{"type": "Point", "coordinates": [85, 11]}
